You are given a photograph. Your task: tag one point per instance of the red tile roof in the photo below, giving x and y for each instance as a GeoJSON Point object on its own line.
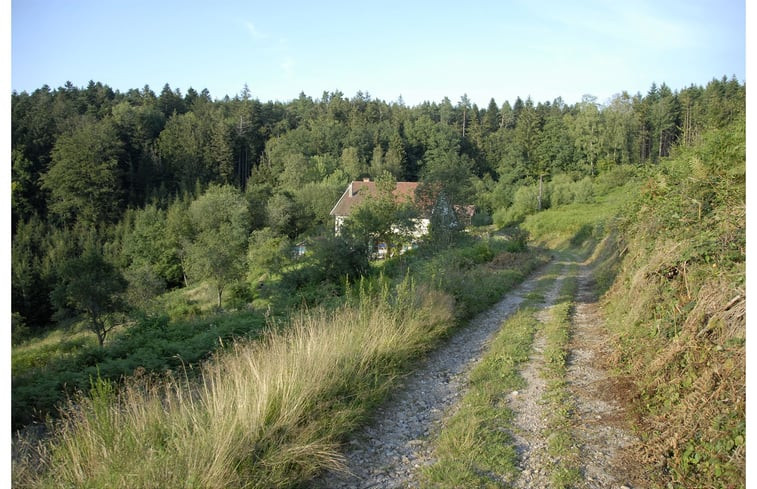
{"type": "Point", "coordinates": [357, 191]}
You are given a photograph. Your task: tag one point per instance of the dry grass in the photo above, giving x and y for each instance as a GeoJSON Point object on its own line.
{"type": "Point", "coordinates": [679, 321]}
{"type": "Point", "coordinates": [265, 414]}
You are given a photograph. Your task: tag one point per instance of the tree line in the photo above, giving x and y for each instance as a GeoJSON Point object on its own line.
{"type": "Point", "coordinates": [135, 186]}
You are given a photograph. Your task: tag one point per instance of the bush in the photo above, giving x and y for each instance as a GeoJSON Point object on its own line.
{"type": "Point", "coordinates": [583, 191]}
{"type": "Point", "coordinates": [615, 176]}
{"type": "Point", "coordinates": [561, 190]}
{"type": "Point", "coordinates": [19, 330]}
{"type": "Point", "coordinates": [525, 202]}
{"type": "Point", "coordinates": [319, 276]}
{"type": "Point", "coordinates": [481, 218]}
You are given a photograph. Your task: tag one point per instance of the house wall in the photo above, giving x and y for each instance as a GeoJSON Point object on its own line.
{"type": "Point", "coordinates": [338, 221]}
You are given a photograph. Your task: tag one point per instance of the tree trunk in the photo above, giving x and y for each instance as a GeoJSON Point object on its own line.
{"type": "Point", "coordinates": [541, 178]}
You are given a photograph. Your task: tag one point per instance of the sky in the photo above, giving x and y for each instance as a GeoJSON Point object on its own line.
{"type": "Point", "coordinates": [417, 50]}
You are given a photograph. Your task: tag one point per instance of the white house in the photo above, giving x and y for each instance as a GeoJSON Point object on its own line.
{"type": "Point", "coordinates": [358, 191]}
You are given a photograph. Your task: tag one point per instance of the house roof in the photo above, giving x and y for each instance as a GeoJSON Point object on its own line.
{"type": "Point", "coordinates": [357, 192]}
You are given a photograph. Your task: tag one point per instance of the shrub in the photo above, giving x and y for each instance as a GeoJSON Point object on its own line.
{"type": "Point", "coordinates": [561, 190]}
{"type": "Point", "coordinates": [525, 202]}
{"type": "Point", "coordinates": [583, 191]}
{"type": "Point", "coordinates": [481, 218]}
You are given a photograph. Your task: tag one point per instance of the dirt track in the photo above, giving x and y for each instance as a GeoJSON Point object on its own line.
{"type": "Point", "coordinates": [390, 451]}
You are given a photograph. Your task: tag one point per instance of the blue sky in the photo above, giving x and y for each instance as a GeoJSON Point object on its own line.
{"type": "Point", "coordinates": [419, 50]}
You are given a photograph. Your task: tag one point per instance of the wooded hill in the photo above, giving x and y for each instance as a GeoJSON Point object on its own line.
{"type": "Point", "coordinates": [109, 177]}
{"type": "Point", "coordinates": [128, 208]}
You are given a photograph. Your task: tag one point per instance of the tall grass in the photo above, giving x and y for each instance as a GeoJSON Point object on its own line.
{"type": "Point", "coordinates": [267, 413]}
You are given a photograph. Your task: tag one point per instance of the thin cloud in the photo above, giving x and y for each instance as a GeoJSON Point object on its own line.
{"type": "Point", "coordinates": [254, 32]}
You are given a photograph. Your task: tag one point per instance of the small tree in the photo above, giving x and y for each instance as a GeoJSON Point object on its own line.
{"type": "Point", "coordinates": [446, 191]}
{"type": "Point", "coordinates": [221, 221]}
{"type": "Point", "coordinates": [92, 286]}
{"type": "Point", "coordinates": [267, 255]}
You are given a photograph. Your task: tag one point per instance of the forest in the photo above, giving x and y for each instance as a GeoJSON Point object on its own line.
{"type": "Point", "coordinates": [106, 183]}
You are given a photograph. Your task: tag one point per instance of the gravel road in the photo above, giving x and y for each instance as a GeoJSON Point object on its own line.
{"type": "Point", "coordinates": [389, 452]}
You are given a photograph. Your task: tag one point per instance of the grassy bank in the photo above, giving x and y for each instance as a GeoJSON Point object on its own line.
{"type": "Point", "coordinates": [677, 311]}
{"type": "Point", "coordinates": [579, 224]}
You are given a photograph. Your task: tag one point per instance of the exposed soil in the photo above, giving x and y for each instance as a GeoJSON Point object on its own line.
{"type": "Point", "coordinates": [390, 451]}
{"type": "Point", "coordinates": [601, 419]}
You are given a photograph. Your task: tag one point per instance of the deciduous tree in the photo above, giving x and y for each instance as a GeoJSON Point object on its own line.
{"type": "Point", "coordinates": [91, 286]}
{"type": "Point", "coordinates": [221, 221]}
{"type": "Point", "coordinates": [84, 179]}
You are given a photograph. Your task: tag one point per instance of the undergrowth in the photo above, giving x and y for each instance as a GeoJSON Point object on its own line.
{"type": "Point", "coordinates": [269, 412]}
{"type": "Point", "coordinates": [151, 345]}
{"type": "Point", "coordinates": [677, 311]}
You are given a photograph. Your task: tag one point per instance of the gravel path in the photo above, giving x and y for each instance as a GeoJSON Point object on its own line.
{"type": "Point", "coordinates": [601, 422]}
{"type": "Point", "coordinates": [530, 418]}
{"type": "Point", "coordinates": [389, 452]}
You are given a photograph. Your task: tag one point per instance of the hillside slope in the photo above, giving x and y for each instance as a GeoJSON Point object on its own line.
{"type": "Point", "coordinates": [677, 311]}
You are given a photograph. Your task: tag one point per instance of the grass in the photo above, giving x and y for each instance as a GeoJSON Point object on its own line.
{"type": "Point", "coordinates": [475, 448]}
{"type": "Point", "coordinates": [561, 445]}
{"type": "Point", "coordinates": [269, 412]}
{"type": "Point", "coordinates": [266, 414]}
{"type": "Point", "coordinates": [151, 345]}
{"type": "Point", "coordinates": [55, 345]}
{"type": "Point", "coordinates": [571, 225]}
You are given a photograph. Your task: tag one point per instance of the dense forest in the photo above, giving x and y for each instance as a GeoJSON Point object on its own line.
{"type": "Point", "coordinates": [127, 190]}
